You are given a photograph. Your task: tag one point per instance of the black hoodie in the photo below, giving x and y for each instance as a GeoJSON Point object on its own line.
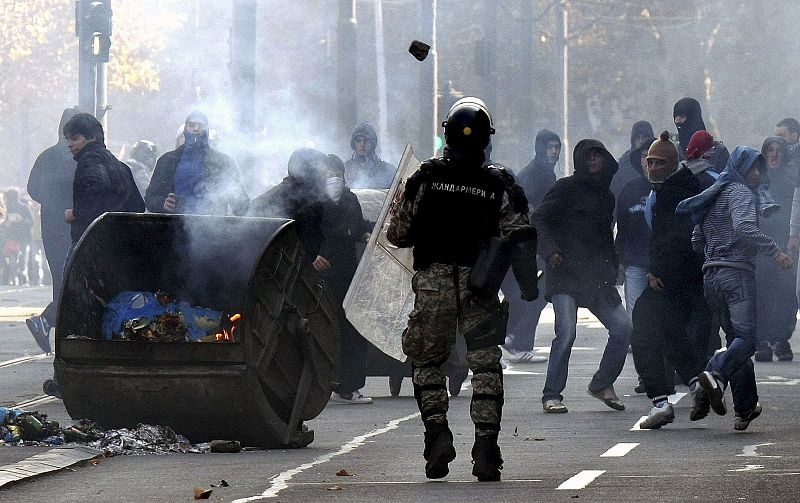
{"type": "Point", "coordinates": [633, 234]}
{"type": "Point", "coordinates": [689, 108]}
{"type": "Point", "coordinates": [538, 176]}
{"type": "Point", "coordinates": [628, 170]}
{"type": "Point", "coordinates": [50, 184]}
{"type": "Point", "coordinates": [576, 220]}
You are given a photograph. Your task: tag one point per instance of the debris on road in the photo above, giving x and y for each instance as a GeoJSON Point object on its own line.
{"type": "Point", "coordinates": [419, 50]}
{"type": "Point", "coordinates": [202, 494]}
{"type": "Point", "coordinates": [335, 488]}
{"type": "Point", "coordinates": [226, 446]}
{"type": "Point", "coordinates": [221, 483]}
{"type": "Point", "coordinates": [343, 473]}
{"type": "Point", "coordinates": [25, 428]}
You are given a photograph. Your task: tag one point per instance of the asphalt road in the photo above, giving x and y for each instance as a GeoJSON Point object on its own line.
{"type": "Point", "coordinates": [592, 453]}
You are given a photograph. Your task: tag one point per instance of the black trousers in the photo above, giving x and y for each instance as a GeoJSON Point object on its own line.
{"type": "Point", "coordinates": [669, 325]}
{"type": "Point", "coordinates": [353, 370]}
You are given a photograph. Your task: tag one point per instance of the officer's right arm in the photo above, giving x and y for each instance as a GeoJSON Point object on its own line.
{"type": "Point", "coordinates": [401, 226]}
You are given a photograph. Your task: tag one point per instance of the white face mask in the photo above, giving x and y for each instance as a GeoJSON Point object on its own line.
{"type": "Point", "coordinates": [334, 187]}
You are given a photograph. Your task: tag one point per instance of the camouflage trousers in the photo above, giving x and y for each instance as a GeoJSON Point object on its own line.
{"type": "Point", "coordinates": [433, 326]}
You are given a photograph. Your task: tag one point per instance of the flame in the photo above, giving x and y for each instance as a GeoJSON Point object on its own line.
{"type": "Point", "coordinates": [227, 336]}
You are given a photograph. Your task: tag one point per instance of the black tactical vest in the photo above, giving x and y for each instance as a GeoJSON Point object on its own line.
{"type": "Point", "coordinates": [458, 212]}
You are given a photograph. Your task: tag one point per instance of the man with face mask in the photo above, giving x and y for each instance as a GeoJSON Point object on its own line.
{"type": "Point", "coordinates": [194, 178]}
{"type": "Point", "coordinates": [641, 131]}
{"type": "Point", "coordinates": [777, 302]}
{"type": "Point", "coordinates": [688, 119]}
{"type": "Point", "coordinates": [343, 226]}
{"type": "Point", "coordinates": [664, 311]}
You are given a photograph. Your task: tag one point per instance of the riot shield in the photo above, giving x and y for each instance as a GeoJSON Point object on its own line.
{"type": "Point", "coordinates": [380, 297]}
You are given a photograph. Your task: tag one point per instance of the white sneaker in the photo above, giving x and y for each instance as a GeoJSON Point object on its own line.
{"type": "Point", "coordinates": [353, 398]}
{"type": "Point", "coordinates": [525, 357]}
{"type": "Point", "coordinates": [658, 417]}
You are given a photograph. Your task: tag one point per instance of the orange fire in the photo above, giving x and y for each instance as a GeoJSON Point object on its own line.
{"type": "Point", "coordinates": [228, 336]}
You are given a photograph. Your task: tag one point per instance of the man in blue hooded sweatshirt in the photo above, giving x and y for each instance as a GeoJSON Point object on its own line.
{"type": "Point", "coordinates": [727, 232]}
{"type": "Point", "coordinates": [195, 178]}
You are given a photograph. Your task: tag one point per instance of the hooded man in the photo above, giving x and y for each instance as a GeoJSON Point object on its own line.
{"type": "Point", "coordinates": [633, 233]}
{"type": "Point", "coordinates": [194, 178]}
{"type": "Point", "coordinates": [523, 317]}
{"type": "Point", "coordinates": [628, 167]}
{"type": "Point", "coordinates": [343, 226]}
{"type": "Point", "coordinates": [777, 302]}
{"type": "Point", "coordinates": [575, 223]}
{"type": "Point", "coordinates": [664, 311]}
{"type": "Point", "coordinates": [688, 119]}
{"type": "Point", "coordinates": [50, 184]}
{"type": "Point", "coordinates": [365, 170]}
{"type": "Point", "coordinates": [729, 237]}
{"type": "Point", "coordinates": [300, 196]}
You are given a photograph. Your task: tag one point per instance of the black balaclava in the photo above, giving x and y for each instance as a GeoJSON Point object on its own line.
{"type": "Point", "coordinates": [641, 127]}
{"type": "Point", "coordinates": [689, 108]}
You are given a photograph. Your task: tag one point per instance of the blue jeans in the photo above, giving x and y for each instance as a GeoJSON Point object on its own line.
{"type": "Point", "coordinates": [613, 317]}
{"type": "Point", "coordinates": [636, 282]}
{"type": "Point", "coordinates": [523, 316]}
{"type": "Point", "coordinates": [731, 293]}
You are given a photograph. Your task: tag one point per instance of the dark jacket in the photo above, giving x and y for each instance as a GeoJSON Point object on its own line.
{"type": "Point", "coordinates": [102, 183]}
{"type": "Point", "coordinates": [628, 170]}
{"type": "Point", "coordinates": [672, 258]}
{"type": "Point", "coordinates": [538, 176]}
{"type": "Point", "coordinates": [342, 227]}
{"type": "Point", "coordinates": [50, 184]}
{"type": "Point", "coordinates": [296, 199]}
{"type": "Point", "coordinates": [783, 180]}
{"type": "Point", "coordinates": [221, 184]}
{"type": "Point", "coordinates": [633, 234]}
{"type": "Point", "coordinates": [576, 220]}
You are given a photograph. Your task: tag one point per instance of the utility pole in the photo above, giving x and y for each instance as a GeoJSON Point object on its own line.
{"type": "Point", "coordinates": [346, 68]}
{"type": "Point", "coordinates": [93, 24]}
{"type": "Point", "coordinates": [565, 150]}
{"type": "Point", "coordinates": [424, 147]}
{"type": "Point", "coordinates": [242, 58]}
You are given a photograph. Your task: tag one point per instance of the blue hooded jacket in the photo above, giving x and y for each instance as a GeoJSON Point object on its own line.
{"type": "Point", "coordinates": [739, 163]}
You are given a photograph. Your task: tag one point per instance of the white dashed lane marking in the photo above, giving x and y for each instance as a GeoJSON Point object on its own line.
{"type": "Point", "coordinates": [619, 450]}
{"type": "Point", "coordinates": [580, 480]}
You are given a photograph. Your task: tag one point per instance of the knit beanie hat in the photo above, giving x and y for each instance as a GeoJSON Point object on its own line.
{"type": "Point", "coordinates": [699, 144]}
{"type": "Point", "coordinates": [663, 148]}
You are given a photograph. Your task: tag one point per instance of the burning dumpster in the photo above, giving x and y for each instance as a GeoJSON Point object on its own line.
{"type": "Point", "coordinates": [270, 368]}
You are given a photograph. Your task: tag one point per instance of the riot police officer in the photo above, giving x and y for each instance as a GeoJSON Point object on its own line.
{"type": "Point", "coordinates": [454, 212]}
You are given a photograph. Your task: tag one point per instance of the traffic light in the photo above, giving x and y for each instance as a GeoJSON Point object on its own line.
{"type": "Point", "coordinates": [93, 23]}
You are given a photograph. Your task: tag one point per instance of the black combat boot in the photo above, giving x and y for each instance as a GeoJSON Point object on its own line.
{"type": "Point", "coordinates": [439, 451]}
{"type": "Point", "coordinates": [486, 460]}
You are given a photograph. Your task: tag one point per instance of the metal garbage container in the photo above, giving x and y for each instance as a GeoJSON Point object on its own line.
{"type": "Point", "coordinates": [278, 372]}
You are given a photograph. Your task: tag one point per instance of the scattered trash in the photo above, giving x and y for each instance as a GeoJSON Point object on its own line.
{"type": "Point", "coordinates": [221, 483]}
{"type": "Point", "coordinates": [202, 494]}
{"type": "Point", "coordinates": [229, 446]}
{"type": "Point", "coordinates": [26, 428]}
{"type": "Point", "coordinates": [419, 50]}
{"type": "Point", "coordinates": [515, 431]}
{"type": "Point", "coordinates": [335, 488]}
{"type": "Point", "coordinates": [343, 473]}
